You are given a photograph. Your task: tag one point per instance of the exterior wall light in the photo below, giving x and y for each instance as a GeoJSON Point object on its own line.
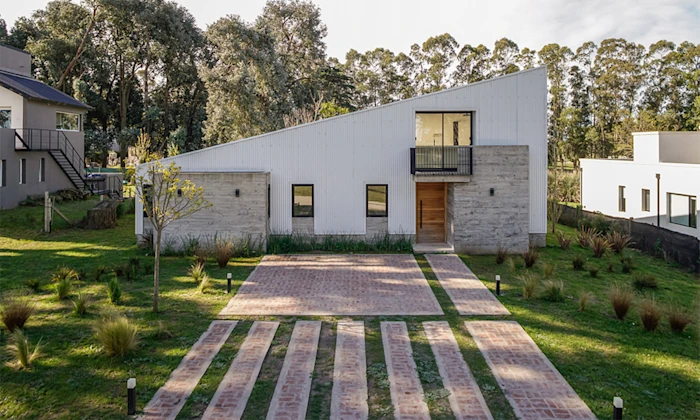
{"type": "Point", "coordinates": [492, 191]}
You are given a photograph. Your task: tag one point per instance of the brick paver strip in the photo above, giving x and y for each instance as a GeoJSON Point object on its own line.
{"type": "Point", "coordinates": [335, 285]}
{"type": "Point", "coordinates": [533, 386]}
{"type": "Point", "coordinates": [232, 395]}
{"type": "Point", "coordinates": [465, 398]}
{"type": "Point", "coordinates": [404, 383]}
{"type": "Point", "coordinates": [171, 397]}
{"type": "Point", "coordinates": [349, 396]}
{"type": "Point", "coordinates": [291, 395]}
{"type": "Point", "coordinates": [467, 292]}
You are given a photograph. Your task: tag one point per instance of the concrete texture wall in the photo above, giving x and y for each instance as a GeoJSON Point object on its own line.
{"type": "Point", "coordinates": [237, 218]}
{"type": "Point", "coordinates": [483, 222]}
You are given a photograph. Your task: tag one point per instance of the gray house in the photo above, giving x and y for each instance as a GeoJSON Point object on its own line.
{"type": "Point", "coordinates": [41, 133]}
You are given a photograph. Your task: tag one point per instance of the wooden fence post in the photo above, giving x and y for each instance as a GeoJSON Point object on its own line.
{"type": "Point", "coordinates": [47, 212]}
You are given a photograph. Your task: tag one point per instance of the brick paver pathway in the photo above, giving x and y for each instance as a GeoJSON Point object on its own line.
{"type": "Point", "coordinates": [465, 398]}
{"type": "Point", "coordinates": [467, 292]}
{"type": "Point", "coordinates": [232, 395]}
{"type": "Point", "coordinates": [335, 285]}
{"type": "Point", "coordinates": [349, 397]}
{"type": "Point", "coordinates": [291, 395]}
{"type": "Point", "coordinates": [171, 397]}
{"type": "Point", "coordinates": [533, 386]}
{"type": "Point", "coordinates": [404, 383]}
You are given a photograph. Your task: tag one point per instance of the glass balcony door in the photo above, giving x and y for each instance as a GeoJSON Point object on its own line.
{"type": "Point", "coordinates": [441, 129]}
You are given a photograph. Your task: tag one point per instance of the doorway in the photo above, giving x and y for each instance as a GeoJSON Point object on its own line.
{"type": "Point", "coordinates": [431, 207]}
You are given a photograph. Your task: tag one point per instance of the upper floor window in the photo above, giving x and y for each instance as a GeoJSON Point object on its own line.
{"type": "Point", "coordinates": [443, 129]}
{"type": "Point", "coordinates": [683, 210]}
{"type": "Point", "coordinates": [5, 118]}
{"type": "Point", "coordinates": [377, 200]}
{"type": "Point", "coordinates": [67, 121]}
{"type": "Point", "coordinates": [302, 200]}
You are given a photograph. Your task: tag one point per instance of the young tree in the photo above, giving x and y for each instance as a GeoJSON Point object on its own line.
{"type": "Point", "coordinates": [166, 198]}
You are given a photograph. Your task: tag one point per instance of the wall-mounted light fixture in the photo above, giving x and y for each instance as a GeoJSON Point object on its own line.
{"type": "Point", "coordinates": [492, 191]}
{"type": "Point", "coordinates": [237, 192]}
{"type": "Point", "coordinates": [179, 192]}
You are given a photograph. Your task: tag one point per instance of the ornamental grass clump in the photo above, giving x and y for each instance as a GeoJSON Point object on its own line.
{"type": "Point", "coordinates": [564, 241]}
{"type": "Point", "coordinates": [578, 262]}
{"type": "Point", "coordinates": [554, 291]}
{"type": "Point", "coordinates": [117, 335]}
{"type": "Point", "coordinates": [15, 311]}
{"type": "Point", "coordinates": [650, 314]}
{"type": "Point", "coordinates": [529, 285]}
{"type": "Point", "coordinates": [530, 257]}
{"type": "Point", "coordinates": [644, 281]}
{"type": "Point", "coordinates": [206, 283]}
{"type": "Point", "coordinates": [114, 291]}
{"type": "Point", "coordinates": [584, 236]}
{"type": "Point", "coordinates": [33, 284]}
{"type": "Point", "coordinates": [621, 299]}
{"type": "Point", "coordinates": [619, 241]}
{"type": "Point", "coordinates": [197, 272]}
{"type": "Point", "coordinates": [600, 246]}
{"type": "Point", "coordinates": [593, 271]}
{"type": "Point", "coordinates": [678, 318]}
{"type": "Point", "coordinates": [223, 251]}
{"type": "Point", "coordinates": [63, 288]}
{"type": "Point", "coordinates": [548, 270]}
{"type": "Point", "coordinates": [583, 299]}
{"type": "Point", "coordinates": [81, 304]}
{"type": "Point", "coordinates": [501, 255]}
{"type": "Point", "coordinates": [21, 350]}
{"type": "Point", "coordinates": [62, 273]}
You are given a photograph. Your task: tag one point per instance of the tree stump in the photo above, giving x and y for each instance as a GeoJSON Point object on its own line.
{"type": "Point", "coordinates": [102, 216]}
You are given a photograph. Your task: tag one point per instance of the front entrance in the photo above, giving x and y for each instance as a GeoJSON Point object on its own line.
{"type": "Point", "coordinates": [431, 206]}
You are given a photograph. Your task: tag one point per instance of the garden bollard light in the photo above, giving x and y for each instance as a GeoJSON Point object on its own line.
{"type": "Point", "coordinates": [228, 283]}
{"type": "Point", "coordinates": [498, 285]}
{"type": "Point", "coordinates": [617, 408]}
{"type": "Point", "coordinates": [131, 396]}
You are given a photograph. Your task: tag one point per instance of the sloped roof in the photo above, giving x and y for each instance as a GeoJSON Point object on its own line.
{"type": "Point", "coordinates": [36, 90]}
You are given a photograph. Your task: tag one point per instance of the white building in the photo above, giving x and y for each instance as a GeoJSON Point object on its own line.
{"type": "Point", "coordinates": [660, 186]}
{"type": "Point", "coordinates": [464, 168]}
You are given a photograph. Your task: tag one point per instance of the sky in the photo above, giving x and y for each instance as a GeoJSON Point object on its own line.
{"type": "Point", "coordinates": [394, 24]}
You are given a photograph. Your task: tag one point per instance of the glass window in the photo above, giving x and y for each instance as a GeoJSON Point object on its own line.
{"type": "Point", "coordinates": [67, 121]}
{"type": "Point", "coordinates": [302, 200]}
{"type": "Point", "coordinates": [443, 129]}
{"type": "Point", "coordinates": [42, 169]}
{"type": "Point", "coordinates": [682, 210]}
{"type": "Point", "coordinates": [621, 202]}
{"type": "Point", "coordinates": [377, 200]}
{"type": "Point", "coordinates": [3, 173]}
{"type": "Point", "coordinates": [5, 118]}
{"type": "Point", "coordinates": [646, 200]}
{"type": "Point", "coordinates": [23, 171]}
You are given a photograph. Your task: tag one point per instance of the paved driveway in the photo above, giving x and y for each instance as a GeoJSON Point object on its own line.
{"type": "Point", "coordinates": [335, 285]}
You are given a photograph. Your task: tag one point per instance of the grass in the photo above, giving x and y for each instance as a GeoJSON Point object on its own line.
{"type": "Point", "coordinates": [600, 356]}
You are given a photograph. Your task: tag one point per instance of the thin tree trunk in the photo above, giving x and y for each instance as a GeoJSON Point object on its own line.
{"type": "Point", "coordinates": [78, 53]}
{"type": "Point", "coordinates": [156, 271]}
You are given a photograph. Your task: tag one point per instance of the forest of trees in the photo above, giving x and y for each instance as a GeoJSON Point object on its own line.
{"type": "Point", "coordinates": [144, 66]}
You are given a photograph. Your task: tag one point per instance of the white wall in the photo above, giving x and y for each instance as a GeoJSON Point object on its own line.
{"type": "Point", "coordinates": [15, 102]}
{"type": "Point", "coordinates": [342, 154]}
{"type": "Point", "coordinates": [601, 179]}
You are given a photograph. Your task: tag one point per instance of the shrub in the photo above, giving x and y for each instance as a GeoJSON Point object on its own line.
{"type": "Point", "coordinates": [114, 291]}
{"type": "Point", "coordinates": [601, 224]}
{"type": "Point", "coordinates": [501, 254]}
{"type": "Point", "coordinates": [21, 350]}
{"type": "Point", "coordinates": [529, 285]}
{"type": "Point", "coordinates": [621, 299]}
{"type": "Point", "coordinates": [549, 270]}
{"type": "Point", "coordinates": [678, 318]}
{"type": "Point", "coordinates": [80, 304]}
{"type": "Point", "coordinates": [15, 311]}
{"type": "Point", "coordinates": [600, 246]}
{"type": "Point", "coordinates": [201, 254]}
{"type": "Point", "coordinates": [564, 241]}
{"type": "Point", "coordinates": [197, 272]}
{"type": "Point", "coordinates": [584, 236]}
{"type": "Point", "coordinates": [99, 272]}
{"type": "Point", "coordinates": [650, 314]}
{"type": "Point", "coordinates": [644, 281]}
{"type": "Point", "coordinates": [578, 262]}
{"type": "Point", "coordinates": [117, 335]}
{"type": "Point", "coordinates": [583, 299]}
{"type": "Point", "coordinates": [593, 271]}
{"type": "Point", "coordinates": [554, 291]}
{"type": "Point", "coordinates": [62, 273]}
{"type": "Point", "coordinates": [33, 284]}
{"type": "Point", "coordinates": [530, 257]}
{"type": "Point", "coordinates": [63, 288]}
{"type": "Point", "coordinates": [223, 251]}
{"type": "Point", "coordinates": [206, 283]}
{"type": "Point", "coordinates": [627, 265]}
{"type": "Point", "coordinates": [619, 241]}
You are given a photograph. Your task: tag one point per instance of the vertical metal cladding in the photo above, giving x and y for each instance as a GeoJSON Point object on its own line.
{"type": "Point", "coordinates": [341, 155]}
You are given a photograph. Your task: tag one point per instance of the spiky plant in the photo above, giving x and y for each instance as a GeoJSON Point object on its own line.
{"type": "Point", "coordinates": [554, 291]}
{"type": "Point", "coordinates": [117, 335]}
{"type": "Point", "coordinates": [114, 291]}
{"type": "Point", "coordinates": [223, 251]}
{"type": "Point", "coordinates": [650, 314]}
{"type": "Point", "coordinates": [621, 299]}
{"type": "Point", "coordinates": [63, 288]}
{"type": "Point", "coordinates": [578, 262]}
{"type": "Point", "coordinates": [501, 255]}
{"type": "Point", "coordinates": [15, 311]}
{"type": "Point", "coordinates": [619, 241]}
{"type": "Point", "coordinates": [600, 246]}
{"type": "Point", "coordinates": [197, 272]}
{"type": "Point", "coordinates": [22, 351]}
{"type": "Point", "coordinates": [62, 273]}
{"type": "Point", "coordinates": [530, 257]}
{"type": "Point", "coordinates": [206, 283]}
{"type": "Point", "coordinates": [530, 283]}
{"type": "Point", "coordinates": [584, 236]}
{"type": "Point", "coordinates": [564, 241]}
{"type": "Point", "coordinates": [81, 304]}
{"type": "Point", "coordinates": [583, 299]}
{"type": "Point", "coordinates": [678, 318]}
{"type": "Point", "coordinates": [548, 269]}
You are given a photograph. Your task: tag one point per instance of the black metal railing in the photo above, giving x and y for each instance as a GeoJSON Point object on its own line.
{"type": "Point", "coordinates": [53, 141]}
{"type": "Point", "coordinates": [441, 160]}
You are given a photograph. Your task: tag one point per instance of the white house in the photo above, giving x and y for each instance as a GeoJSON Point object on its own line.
{"type": "Point", "coordinates": [660, 186]}
{"type": "Point", "coordinates": [463, 169]}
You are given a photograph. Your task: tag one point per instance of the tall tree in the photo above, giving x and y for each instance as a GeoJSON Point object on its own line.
{"type": "Point", "coordinates": [472, 64]}
{"type": "Point", "coordinates": [504, 59]}
{"type": "Point", "coordinates": [556, 58]}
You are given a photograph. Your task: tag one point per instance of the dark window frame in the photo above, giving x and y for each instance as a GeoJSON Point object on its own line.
{"type": "Point", "coordinates": [3, 173]}
{"type": "Point", "coordinates": [646, 200]}
{"type": "Point", "coordinates": [42, 169]}
{"type": "Point", "coordinates": [22, 171]}
{"type": "Point", "coordinates": [621, 200]}
{"type": "Point", "coordinates": [386, 205]}
{"type": "Point", "coordinates": [313, 204]}
{"type": "Point", "coordinates": [692, 214]}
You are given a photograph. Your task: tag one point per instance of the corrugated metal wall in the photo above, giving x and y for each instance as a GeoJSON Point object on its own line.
{"type": "Point", "coordinates": [342, 154]}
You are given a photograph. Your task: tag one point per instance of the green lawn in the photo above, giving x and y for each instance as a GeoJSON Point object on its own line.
{"type": "Point", "coordinates": [657, 374]}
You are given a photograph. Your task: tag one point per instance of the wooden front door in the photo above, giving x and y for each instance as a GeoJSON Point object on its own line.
{"type": "Point", "coordinates": [430, 212]}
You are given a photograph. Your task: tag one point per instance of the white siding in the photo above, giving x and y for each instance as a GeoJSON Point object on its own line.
{"type": "Point", "coordinates": [342, 154]}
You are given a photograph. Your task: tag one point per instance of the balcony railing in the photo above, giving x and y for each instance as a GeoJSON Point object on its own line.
{"type": "Point", "coordinates": [441, 160]}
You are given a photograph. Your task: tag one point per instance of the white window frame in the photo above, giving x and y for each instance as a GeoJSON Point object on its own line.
{"type": "Point", "coordinates": [80, 121]}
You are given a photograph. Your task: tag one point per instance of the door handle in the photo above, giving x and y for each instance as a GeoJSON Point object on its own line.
{"type": "Point", "coordinates": [421, 214]}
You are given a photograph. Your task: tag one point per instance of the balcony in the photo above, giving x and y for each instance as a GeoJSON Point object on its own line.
{"type": "Point", "coordinates": [453, 163]}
